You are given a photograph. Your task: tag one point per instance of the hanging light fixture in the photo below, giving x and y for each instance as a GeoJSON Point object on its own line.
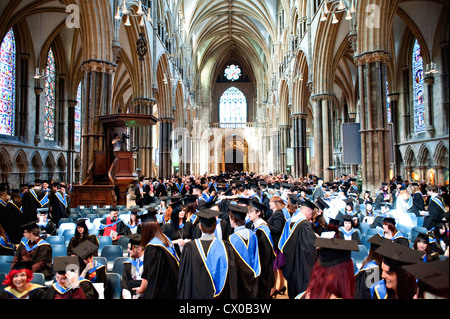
{"type": "Point", "coordinates": [334, 20]}
{"type": "Point", "coordinates": [140, 11]}
{"type": "Point", "coordinates": [127, 22]}
{"type": "Point", "coordinates": [117, 16]}
{"type": "Point", "coordinates": [37, 74]}
{"type": "Point", "coordinates": [340, 8]}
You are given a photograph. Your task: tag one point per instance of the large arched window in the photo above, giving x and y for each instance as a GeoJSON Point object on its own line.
{"type": "Point", "coordinates": [233, 108]}
{"type": "Point", "coordinates": [418, 100]}
{"type": "Point", "coordinates": [388, 104]}
{"type": "Point", "coordinates": [50, 97]}
{"type": "Point", "coordinates": [77, 120]}
{"type": "Point", "coordinates": [7, 84]}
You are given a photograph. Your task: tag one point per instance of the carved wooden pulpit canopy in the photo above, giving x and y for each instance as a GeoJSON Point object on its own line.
{"type": "Point", "coordinates": [110, 174]}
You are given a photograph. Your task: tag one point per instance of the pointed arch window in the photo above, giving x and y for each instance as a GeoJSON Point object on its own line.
{"type": "Point", "coordinates": [77, 118]}
{"type": "Point", "coordinates": [418, 99]}
{"type": "Point", "coordinates": [50, 97]}
{"type": "Point", "coordinates": [233, 108]}
{"type": "Point", "coordinates": [7, 83]}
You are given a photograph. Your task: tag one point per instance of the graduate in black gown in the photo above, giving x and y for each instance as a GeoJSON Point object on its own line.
{"type": "Point", "coordinates": [32, 200]}
{"type": "Point", "coordinates": [59, 202]}
{"type": "Point", "coordinates": [245, 247]}
{"type": "Point", "coordinates": [24, 289]}
{"type": "Point", "coordinates": [46, 225]}
{"type": "Point", "coordinates": [13, 217]}
{"type": "Point", "coordinates": [223, 229]}
{"type": "Point", "coordinates": [297, 245]}
{"type": "Point", "coordinates": [370, 271]}
{"type": "Point", "coordinates": [161, 263]}
{"type": "Point", "coordinates": [207, 265]}
{"type": "Point", "coordinates": [266, 279]}
{"type": "Point", "coordinates": [436, 208]}
{"type": "Point", "coordinates": [81, 234]}
{"type": "Point", "coordinates": [133, 268]}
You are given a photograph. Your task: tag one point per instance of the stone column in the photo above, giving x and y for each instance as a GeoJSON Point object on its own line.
{"type": "Point", "coordinates": [429, 80]}
{"type": "Point", "coordinates": [283, 143]}
{"type": "Point", "coordinates": [165, 146]}
{"type": "Point", "coordinates": [300, 168]}
{"type": "Point", "coordinates": [322, 137]}
{"type": "Point", "coordinates": [97, 96]}
{"type": "Point", "coordinates": [71, 140]}
{"type": "Point", "coordinates": [37, 116]}
{"type": "Point", "coordinates": [373, 119]}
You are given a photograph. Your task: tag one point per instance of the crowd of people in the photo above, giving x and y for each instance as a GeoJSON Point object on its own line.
{"type": "Point", "coordinates": [236, 236]}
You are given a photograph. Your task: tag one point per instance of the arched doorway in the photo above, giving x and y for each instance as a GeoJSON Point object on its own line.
{"type": "Point", "coordinates": [234, 154]}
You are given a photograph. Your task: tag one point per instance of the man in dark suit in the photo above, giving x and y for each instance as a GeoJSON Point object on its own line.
{"type": "Point", "coordinates": [139, 192]}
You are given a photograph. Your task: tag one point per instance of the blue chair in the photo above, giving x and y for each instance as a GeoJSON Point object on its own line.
{"type": "Point", "coordinates": [75, 216]}
{"type": "Point", "coordinates": [358, 256]}
{"type": "Point", "coordinates": [111, 252]}
{"type": "Point", "coordinates": [65, 220]}
{"type": "Point", "coordinates": [101, 260]}
{"type": "Point", "coordinates": [103, 241]}
{"type": "Point", "coordinates": [59, 250]}
{"type": "Point", "coordinates": [118, 265]}
{"type": "Point", "coordinates": [38, 278]}
{"type": "Point", "coordinates": [92, 216]}
{"type": "Point", "coordinates": [365, 241]}
{"type": "Point", "coordinates": [123, 242]}
{"type": "Point", "coordinates": [68, 234]}
{"type": "Point", "coordinates": [65, 226]}
{"type": "Point", "coordinates": [364, 227]}
{"type": "Point", "coordinates": [114, 287]}
{"type": "Point", "coordinates": [86, 211]}
{"type": "Point", "coordinates": [57, 239]}
{"type": "Point", "coordinates": [420, 221]}
{"type": "Point", "coordinates": [5, 263]}
{"type": "Point", "coordinates": [2, 278]}
{"type": "Point", "coordinates": [372, 231]}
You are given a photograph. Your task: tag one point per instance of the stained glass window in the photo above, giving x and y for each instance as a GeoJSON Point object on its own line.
{"type": "Point", "coordinates": [7, 83]}
{"type": "Point", "coordinates": [232, 72]}
{"type": "Point", "coordinates": [233, 108]}
{"type": "Point", "coordinates": [388, 104]}
{"type": "Point", "coordinates": [77, 130]}
{"type": "Point", "coordinates": [418, 100]}
{"type": "Point", "coordinates": [50, 100]}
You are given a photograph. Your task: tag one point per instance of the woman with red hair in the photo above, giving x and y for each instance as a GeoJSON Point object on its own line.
{"type": "Point", "coordinates": [333, 274]}
{"type": "Point", "coordinates": [391, 232]}
{"type": "Point", "coordinates": [18, 283]}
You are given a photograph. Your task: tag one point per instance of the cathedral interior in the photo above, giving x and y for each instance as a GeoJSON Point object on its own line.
{"type": "Point", "coordinates": [194, 87]}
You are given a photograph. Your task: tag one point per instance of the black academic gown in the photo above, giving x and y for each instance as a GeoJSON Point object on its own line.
{"type": "Point", "coordinates": [194, 279]}
{"type": "Point", "coordinates": [60, 205]}
{"type": "Point", "coordinates": [35, 292]}
{"type": "Point", "coordinates": [74, 242]}
{"type": "Point", "coordinates": [266, 279]}
{"type": "Point", "coordinates": [300, 256]}
{"type": "Point", "coordinates": [369, 274]}
{"type": "Point", "coordinates": [127, 282]}
{"type": "Point", "coordinates": [41, 254]}
{"type": "Point", "coordinates": [13, 219]}
{"type": "Point", "coordinates": [173, 232]}
{"type": "Point", "coordinates": [276, 224]}
{"type": "Point", "coordinates": [436, 210]}
{"type": "Point", "coordinates": [31, 201]}
{"type": "Point", "coordinates": [161, 272]}
{"type": "Point", "coordinates": [418, 204]}
{"type": "Point", "coordinates": [49, 229]}
{"type": "Point", "coordinates": [160, 190]}
{"type": "Point", "coordinates": [379, 201]}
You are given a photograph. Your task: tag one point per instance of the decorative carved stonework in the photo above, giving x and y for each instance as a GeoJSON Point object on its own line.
{"type": "Point", "coordinates": [322, 96]}
{"type": "Point", "coordinates": [372, 57]}
{"type": "Point", "coordinates": [99, 66]}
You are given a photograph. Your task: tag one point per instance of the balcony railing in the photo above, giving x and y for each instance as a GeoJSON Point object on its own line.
{"type": "Point", "coordinates": [236, 125]}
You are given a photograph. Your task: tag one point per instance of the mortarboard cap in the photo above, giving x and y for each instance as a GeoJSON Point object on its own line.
{"type": "Point", "coordinates": [176, 204]}
{"type": "Point", "coordinates": [256, 204]}
{"type": "Point", "coordinates": [135, 239]}
{"type": "Point", "coordinates": [81, 222]}
{"type": "Point", "coordinates": [63, 264]}
{"type": "Point", "coordinates": [135, 210]}
{"type": "Point", "coordinates": [85, 249]}
{"type": "Point", "coordinates": [321, 203]}
{"type": "Point", "coordinates": [308, 203]}
{"type": "Point", "coordinates": [377, 240]}
{"type": "Point", "coordinates": [42, 211]}
{"type": "Point", "coordinates": [396, 255]}
{"type": "Point", "coordinates": [149, 216]}
{"type": "Point", "coordinates": [29, 226]}
{"type": "Point", "coordinates": [208, 216]}
{"type": "Point", "coordinates": [238, 210]}
{"type": "Point", "coordinates": [389, 220]}
{"type": "Point", "coordinates": [204, 204]}
{"type": "Point", "coordinates": [243, 200]}
{"type": "Point", "coordinates": [37, 181]}
{"type": "Point", "coordinates": [333, 221]}
{"type": "Point", "coordinates": [293, 199]}
{"type": "Point", "coordinates": [349, 201]}
{"type": "Point", "coordinates": [432, 275]}
{"type": "Point", "coordinates": [334, 251]}
{"type": "Point", "coordinates": [189, 199]}
{"type": "Point", "coordinates": [348, 218]}
{"type": "Point", "coordinates": [23, 264]}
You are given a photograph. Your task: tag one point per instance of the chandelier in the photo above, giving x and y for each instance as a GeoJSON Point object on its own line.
{"type": "Point", "coordinates": [143, 11]}
{"type": "Point", "coordinates": [340, 8]}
